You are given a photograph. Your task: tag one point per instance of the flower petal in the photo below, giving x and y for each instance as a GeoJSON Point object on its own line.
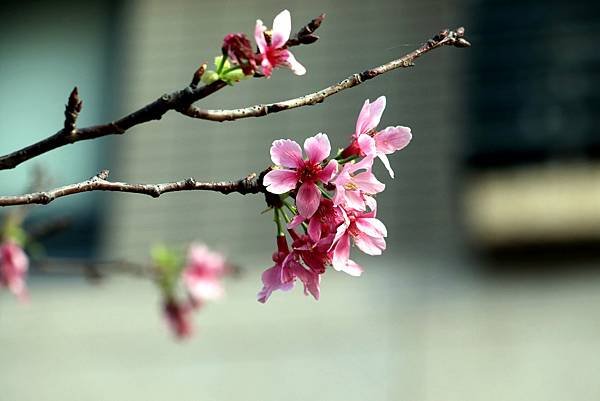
{"type": "Point", "coordinates": [282, 27]}
{"type": "Point", "coordinates": [307, 199]}
{"type": "Point", "coordinates": [392, 139]}
{"type": "Point", "coordinates": [367, 182]}
{"type": "Point", "coordinates": [267, 68]}
{"type": "Point", "coordinates": [371, 226]}
{"type": "Point", "coordinates": [280, 181]}
{"type": "Point", "coordinates": [317, 148]}
{"type": "Point", "coordinates": [352, 268]}
{"type": "Point", "coordinates": [271, 279]}
{"type": "Point", "coordinates": [354, 200]}
{"type": "Point", "coordinates": [386, 163]}
{"type": "Point", "coordinates": [314, 229]}
{"type": "Point", "coordinates": [369, 116]}
{"type": "Point", "coordinates": [367, 145]}
{"type": "Point", "coordinates": [328, 171]}
{"type": "Point", "coordinates": [296, 221]}
{"type": "Point", "coordinates": [372, 204]}
{"type": "Point", "coordinates": [370, 245]}
{"type": "Point", "coordinates": [340, 195]}
{"type": "Point", "coordinates": [202, 290]}
{"type": "Point", "coordinates": [341, 253]}
{"type": "Point", "coordinates": [310, 279]}
{"type": "Point", "coordinates": [259, 35]}
{"type": "Point", "coordinates": [286, 153]}
{"type": "Point", "coordinates": [294, 65]}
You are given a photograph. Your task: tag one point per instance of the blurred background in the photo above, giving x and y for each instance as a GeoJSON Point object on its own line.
{"type": "Point", "coordinates": [490, 286]}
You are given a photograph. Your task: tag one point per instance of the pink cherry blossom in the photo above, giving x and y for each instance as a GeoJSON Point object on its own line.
{"type": "Point", "coordinates": [294, 170]}
{"type": "Point", "coordinates": [274, 53]}
{"type": "Point", "coordinates": [13, 268]}
{"type": "Point", "coordinates": [286, 270]}
{"type": "Point", "coordinates": [179, 318]}
{"type": "Point", "coordinates": [272, 278]}
{"type": "Point", "coordinates": [368, 235]}
{"type": "Point", "coordinates": [203, 273]}
{"type": "Point", "coordinates": [353, 182]}
{"type": "Point", "coordinates": [368, 141]}
{"type": "Point", "coordinates": [323, 222]}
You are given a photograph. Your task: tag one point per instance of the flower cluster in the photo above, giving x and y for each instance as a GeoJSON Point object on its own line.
{"type": "Point", "coordinates": [334, 202]}
{"type": "Point", "coordinates": [239, 61]}
{"type": "Point", "coordinates": [200, 276]}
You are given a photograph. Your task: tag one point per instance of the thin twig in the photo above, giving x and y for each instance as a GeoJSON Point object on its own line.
{"type": "Point", "coordinates": [446, 37]}
{"type": "Point", "coordinates": [178, 100]}
{"type": "Point", "coordinates": [252, 184]}
{"type": "Point", "coordinates": [153, 111]}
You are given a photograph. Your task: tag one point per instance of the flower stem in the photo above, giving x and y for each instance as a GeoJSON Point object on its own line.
{"type": "Point", "coordinates": [277, 220]}
{"type": "Point", "coordinates": [227, 71]}
{"type": "Point", "coordinates": [347, 159]}
{"type": "Point", "coordinates": [294, 212]}
{"type": "Point", "coordinates": [221, 64]}
{"type": "Point", "coordinates": [290, 207]}
{"type": "Point", "coordinates": [325, 193]}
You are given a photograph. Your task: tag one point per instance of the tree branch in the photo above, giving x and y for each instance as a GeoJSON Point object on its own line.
{"type": "Point", "coordinates": [446, 37]}
{"type": "Point", "coordinates": [178, 100]}
{"type": "Point", "coordinates": [252, 184]}
{"type": "Point", "coordinates": [183, 99]}
{"type": "Point", "coordinates": [153, 111]}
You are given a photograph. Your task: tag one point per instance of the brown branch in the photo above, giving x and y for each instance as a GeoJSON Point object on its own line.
{"type": "Point", "coordinates": [153, 111]}
{"type": "Point", "coordinates": [183, 99]}
{"type": "Point", "coordinates": [252, 184]}
{"type": "Point", "coordinates": [178, 100]}
{"type": "Point", "coordinates": [444, 38]}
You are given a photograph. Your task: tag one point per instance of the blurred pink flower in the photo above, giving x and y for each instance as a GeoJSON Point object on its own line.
{"type": "Point", "coordinates": [203, 273]}
{"type": "Point", "coordinates": [13, 268]}
{"type": "Point", "coordinates": [368, 141]}
{"type": "Point", "coordinates": [275, 53]}
{"type": "Point", "coordinates": [178, 318]}
{"type": "Point", "coordinates": [295, 170]}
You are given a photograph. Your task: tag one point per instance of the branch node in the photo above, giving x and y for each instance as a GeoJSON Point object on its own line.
{"type": "Point", "coordinates": [197, 76]}
{"type": "Point", "coordinates": [102, 175]}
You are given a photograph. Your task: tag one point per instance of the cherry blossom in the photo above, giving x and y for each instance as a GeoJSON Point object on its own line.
{"type": "Point", "coordinates": [370, 142]}
{"type": "Point", "coordinates": [272, 278]}
{"type": "Point", "coordinates": [203, 273]}
{"type": "Point", "coordinates": [274, 53]}
{"type": "Point", "coordinates": [353, 182]}
{"type": "Point", "coordinates": [293, 170]}
{"type": "Point", "coordinates": [368, 235]}
{"type": "Point", "coordinates": [13, 268]}
{"type": "Point", "coordinates": [286, 270]}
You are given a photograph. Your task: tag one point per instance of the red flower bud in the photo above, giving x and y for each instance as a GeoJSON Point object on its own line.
{"type": "Point", "coordinates": [238, 48]}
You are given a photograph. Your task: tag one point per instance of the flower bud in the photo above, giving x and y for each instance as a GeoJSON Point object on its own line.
{"type": "Point", "coordinates": [209, 77]}
{"type": "Point", "coordinates": [238, 48]}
